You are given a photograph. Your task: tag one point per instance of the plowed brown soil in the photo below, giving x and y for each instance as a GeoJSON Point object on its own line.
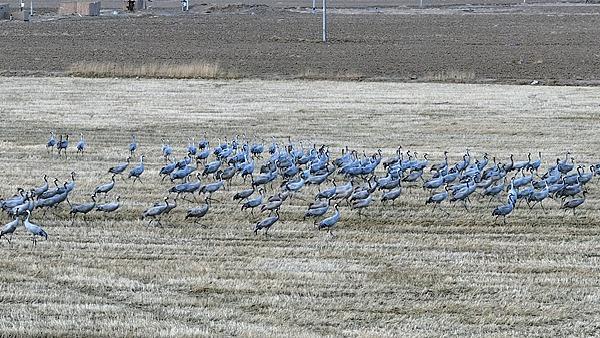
{"type": "Point", "coordinates": [552, 43]}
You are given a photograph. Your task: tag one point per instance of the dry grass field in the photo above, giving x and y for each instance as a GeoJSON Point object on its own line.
{"type": "Point", "coordinates": [400, 270]}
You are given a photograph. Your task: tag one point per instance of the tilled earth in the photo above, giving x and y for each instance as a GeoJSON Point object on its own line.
{"type": "Point", "coordinates": [551, 43]}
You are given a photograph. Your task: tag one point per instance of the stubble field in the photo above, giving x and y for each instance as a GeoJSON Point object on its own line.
{"type": "Point", "coordinates": [398, 270]}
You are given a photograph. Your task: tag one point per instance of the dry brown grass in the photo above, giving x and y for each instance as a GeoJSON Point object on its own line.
{"type": "Point", "coordinates": [400, 271]}
{"type": "Point", "coordinates": [449, 76]}
{"type": "Point", "coordinates": [315, 74]}
{"type": "Point", "coordinates": [193, 70]}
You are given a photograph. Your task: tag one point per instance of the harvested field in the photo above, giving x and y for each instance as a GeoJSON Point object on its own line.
{"type": "Point", "coordinates": [553, 43]}
{"type": "Point", "coordinates": [399, 270]}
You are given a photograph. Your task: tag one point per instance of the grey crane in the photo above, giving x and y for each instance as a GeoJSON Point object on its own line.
{"type": "Point", "coordinates": [583, 176]}
{"type": "Point", "coordinates": [327, 193]}
{"type": "Point", "coordinates": [14, 201]}
{"type": "Point", "coordinates": [574, 203]}
{"type": "Point", "coordinates": [244, 194]}
{"type": "Point", "coordinates": [316, 212]}
{"type": "Point", "coordinates": [266, 223]}
{"type": "Point", "coordinates": [167, 150]}
{"type": "Point", "coordinates": [182, 174]}
{"type": "Point", "coordinates": [69, 186]}
{"type": "Point", "coordinates": [391, 195]}
{"type": "Point", "coordinates": [319, 204]}
{"type": "Point", "coordinates": [156, 211]}
{"type": "Point", "coordinates": [280, 196]}
{"type": "Point", "coordinates": [520, 164]}
{"type": "Point", "coordinates": [212, 188]}
{"type": "Point", "coordinates": [569, 190]}
{"type": "Point", "coordinates": [273, 205]}
{"type": "Point", "coordinates": [170, 206]}
{"type": "Point", "coordinates": [198, 212]}
{"type": "Point", "coordinates": [109, 207]}
{"type": "Point", "coordinates": [82, 208]}
{"type": "Point", "coordinates": [137, 171]}
{"type": "Point", "coordinates": [203, 155]}
{"type": "Point", "coordinates": [437, 199]}
{"type": "Point", "coordinates": [294, 186]}
{"type": "Point", "coordinates": [317, 179]}
{"type": "Point", "coordinates": [53, 201]}
{"type": "Point", "coordinates": [41, 189]}
{"type": "Point", "coordinates": [434, 183]}
{"type": "Point", "coordinates": [81, 145]}
{"type": "Point", "coordinates": [188, 187]}
{"type": "Point", "coordinates": [63, 144]}
{"type": "Point", "coordinates": [393, 160]}
{"type": "Point", "coordinates": [51, 192]}
{"type": "Point", "coordinates": [345, 189]}
{"type": "Point", "coordinates": [106, 187]}
{"type": "Point", "coordinates": [168, 169]}
{"type": "Point", "coordinates": [132, 145]}
{"type": "Point", "coordinates": [361, 204]}
{"type": "Point", "coordinates": [191, 147]}
{"type": "Point", "coordinates": [538, 197]}
{"type": "Point", "coordinates": [362, 192]}
{"type": "Point", "coordinates": [28, 204]}
{"type": "Point", "coordinates": [535, 164]}
{"type": "Point", "coordinates": [51, 142]}
{"type": "Point", "coordinates": [463, 194]}
{"type": "Point", "coordinates": [263, 179]}
{"type": "Point", "coordinates": [227, 174]}
{"type": "Point", "coordinates": [255, 202]}
{"type": "Point", "coordinates": [564, 166]}
{"type": "Point", "coordinates": [9, 228]}
{"type": "Point", "coordinates": [120, 168]}
{"type": "Point", "coordinates": [317, 209]}
{"type": "Point", "coordinates": [493, 191]}
{"type": "Point", "coordinates": [34, 229]}
{"type": "Point", "coordinates": [211, 168]}
{"type": "Point", "coordinates": [504, 210]}
{"type": "Point", "coordinates": [329, 222]}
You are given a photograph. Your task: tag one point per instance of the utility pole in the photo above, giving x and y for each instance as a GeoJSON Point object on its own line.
{"type": "Point", "coordinates": [325, 35]}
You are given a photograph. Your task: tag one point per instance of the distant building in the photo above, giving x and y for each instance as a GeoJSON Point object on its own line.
{"type": "Point", "coordinates": [4, 12]}
{"type": "Point", "coordinates": [86, 8]}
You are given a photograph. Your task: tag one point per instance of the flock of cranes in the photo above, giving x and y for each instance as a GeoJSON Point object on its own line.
{"type": "Point", "coordinates": [287, 169]}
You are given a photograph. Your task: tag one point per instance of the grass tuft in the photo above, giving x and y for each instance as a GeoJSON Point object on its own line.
{"type": "Point", "coordinates": [194, 70]}
{"type": "Point", "coordinates": [450, 76]}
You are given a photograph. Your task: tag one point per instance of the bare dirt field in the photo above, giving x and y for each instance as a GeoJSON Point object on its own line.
{"type": "Point", "coordinates": [554, 43]}
{"type": "Point", "coordinates": [399, 270]}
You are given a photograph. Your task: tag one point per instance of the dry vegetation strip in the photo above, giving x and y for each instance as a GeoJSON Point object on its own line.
{"type": "Point", "coordinates": [194, 70]}
{"type": "Point", "coordinates": [400, 269]}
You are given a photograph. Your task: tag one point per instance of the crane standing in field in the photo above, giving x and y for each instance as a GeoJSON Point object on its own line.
{"type": "Point", "coordinates": [63, 144]}
{"type": "Point", "coordinates": [82, 208]}
{"type": "Point", "coordinates": [9, 228]}
{"type": "Point", "coordinates": [109, 207]}
{"type": "Point", "coordinates": [329, 222]}
{"type": "Point", "coordinates": [156, 211]}
{"type": "Point", "coordinates": [119, 168]}
{"type": "Point", "coordinates": [132, 145]}
{"type": "Point", "coordinates": [138, 170]}
{"type": "Point", "coordinates": [81, 145]}
{"type": "Point", "coordinates": [198, 212]}
{"type": "Point", "coordinates": [34, 229]}
{"type": "Point", "coordinates": [266, 223]}
{"type": "Point", "coordinates": [51, 142]}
